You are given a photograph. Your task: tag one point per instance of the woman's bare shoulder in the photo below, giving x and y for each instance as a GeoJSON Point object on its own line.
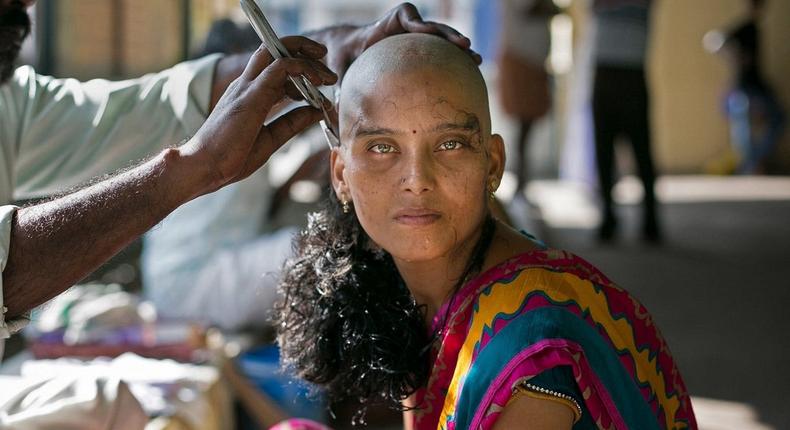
{"type": "Point", "coordinates": [508, 243]}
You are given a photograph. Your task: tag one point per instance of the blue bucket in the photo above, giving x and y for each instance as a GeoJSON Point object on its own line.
{"type": "Point", "coordinates": [296, 397]}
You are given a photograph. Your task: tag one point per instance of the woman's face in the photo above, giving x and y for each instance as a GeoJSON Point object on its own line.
{"type": "Point", "coordinates": [417, 163]}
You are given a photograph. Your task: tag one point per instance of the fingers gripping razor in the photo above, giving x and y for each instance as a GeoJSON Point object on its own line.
{"type": "Point", "coordinates": [311, 94]}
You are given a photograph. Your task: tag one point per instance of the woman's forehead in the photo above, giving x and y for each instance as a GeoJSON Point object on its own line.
{"type": "Point", "coordinates": [417, 86]}
{"type": "Point", "coordinates": [424, 102]}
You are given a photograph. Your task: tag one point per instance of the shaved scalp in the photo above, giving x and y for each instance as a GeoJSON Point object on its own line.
{"type": "Point", "coordinates": [412, 52]}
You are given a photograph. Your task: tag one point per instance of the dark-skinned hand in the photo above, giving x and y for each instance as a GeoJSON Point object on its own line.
{"type": "Point", "coordinates": [234, 142]}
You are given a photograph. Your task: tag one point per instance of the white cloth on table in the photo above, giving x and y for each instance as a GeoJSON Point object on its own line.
{"type": "Point", "coordinates": [72, 402]}
{"type": "Point", "coordinates": [120, 393]}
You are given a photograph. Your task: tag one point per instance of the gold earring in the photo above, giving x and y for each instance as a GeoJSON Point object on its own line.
{"type": "Point", "coordinates": [346, 206]}
{"type": "Point", "coordinates": [491, 190]}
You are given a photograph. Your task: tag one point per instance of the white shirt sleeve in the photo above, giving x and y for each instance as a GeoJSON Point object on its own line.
{"type": "Point", "coordinates": [12, 326]}
{"type": "Point", "coordinates": [68, 132]}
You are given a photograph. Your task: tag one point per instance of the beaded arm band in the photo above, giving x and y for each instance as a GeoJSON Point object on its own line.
{"type": "Point", "coordinates": [536, 392]}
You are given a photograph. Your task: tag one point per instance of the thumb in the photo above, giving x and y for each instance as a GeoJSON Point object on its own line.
{"type": "Point", "coordinates": [292, 123]}
{"type": "Point", "coordinates": [276, 134]}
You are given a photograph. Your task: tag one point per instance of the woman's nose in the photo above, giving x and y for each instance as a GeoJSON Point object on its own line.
{"type": "Point", "coordinates": [418, 175]}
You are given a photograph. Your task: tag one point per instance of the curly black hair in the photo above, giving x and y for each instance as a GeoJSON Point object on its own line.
{"type": "Point", "coordinates": [346, 321]}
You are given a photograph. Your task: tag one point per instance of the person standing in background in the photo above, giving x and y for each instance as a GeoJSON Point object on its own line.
{"type": "Point", "coordinates": [523, 81]}
{"type": "Point", "coordinates": [620, 105]}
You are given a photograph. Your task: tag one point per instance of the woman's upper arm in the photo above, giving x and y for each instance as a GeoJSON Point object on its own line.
{"type": "Point", "coordinates": [530, 413]}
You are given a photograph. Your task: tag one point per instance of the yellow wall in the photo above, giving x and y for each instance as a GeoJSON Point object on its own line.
{"type": "Point", "coordinates": [83, 45]}
{"type": "Point", "coordinates": [688, 83]}
{"type": "Point", "coordinates": [151, 37]}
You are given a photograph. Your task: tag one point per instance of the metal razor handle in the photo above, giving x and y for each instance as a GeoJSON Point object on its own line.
{"type": "Point", "coordinates": [311, 94]}
{"type": "Point", "coordinates": [278, 50]}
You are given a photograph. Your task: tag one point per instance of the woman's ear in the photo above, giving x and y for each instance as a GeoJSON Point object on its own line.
{"type": "Point", "coordinates": [496, 165]}
{"type": "Point", "coordinates": [337, 168]}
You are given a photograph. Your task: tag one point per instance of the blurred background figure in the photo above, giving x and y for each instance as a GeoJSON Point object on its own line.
{"type": "Point", "coordinates": [226, 36]}
{"type": "Point", "coordinates": [755, 116]}
{"type": "Point", "coordinates": [215, 259]}
{"type": "Point", "coordinates": [524, 84]}
{"type": "Point", "coordinates": [620, 104]}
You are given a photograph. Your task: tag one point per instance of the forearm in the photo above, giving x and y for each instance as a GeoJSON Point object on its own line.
{"type": "Point", "coordinates": [57, 243]}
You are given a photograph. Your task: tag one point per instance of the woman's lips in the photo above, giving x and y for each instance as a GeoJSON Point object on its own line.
{"type": "Point", "coordinates": [417, 216]}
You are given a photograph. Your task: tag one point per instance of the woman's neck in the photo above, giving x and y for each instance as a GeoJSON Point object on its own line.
{"type": "Point", "coordinates": [432, 282]}
{"type": "Point", "coordinates": [429, 286]}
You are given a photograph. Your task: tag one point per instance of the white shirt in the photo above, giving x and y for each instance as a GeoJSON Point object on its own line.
{"type": "Point", "coordinates": [59, 133]}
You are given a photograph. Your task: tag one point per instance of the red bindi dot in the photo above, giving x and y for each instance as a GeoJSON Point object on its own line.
{"type": "Point", "coordinates": [414, 131]}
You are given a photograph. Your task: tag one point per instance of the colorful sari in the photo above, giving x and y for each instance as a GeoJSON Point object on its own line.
{"type": "Point", "coordinates": [534, 314]}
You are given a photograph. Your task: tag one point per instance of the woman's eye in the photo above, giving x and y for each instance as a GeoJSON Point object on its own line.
{"type": "Point", "coordinates": [450, 145]}
{"type": "Point", "coordinates": [382, 148]}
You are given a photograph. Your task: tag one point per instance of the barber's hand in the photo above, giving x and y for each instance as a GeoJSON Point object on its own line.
{"type": "Point", "coordinates": [234, 142]}
{"type": "Point", "coordinates": [346, 43]}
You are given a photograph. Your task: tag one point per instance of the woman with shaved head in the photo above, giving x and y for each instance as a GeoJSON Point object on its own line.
{"type": "Point", "coordinates": [406, 291]}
